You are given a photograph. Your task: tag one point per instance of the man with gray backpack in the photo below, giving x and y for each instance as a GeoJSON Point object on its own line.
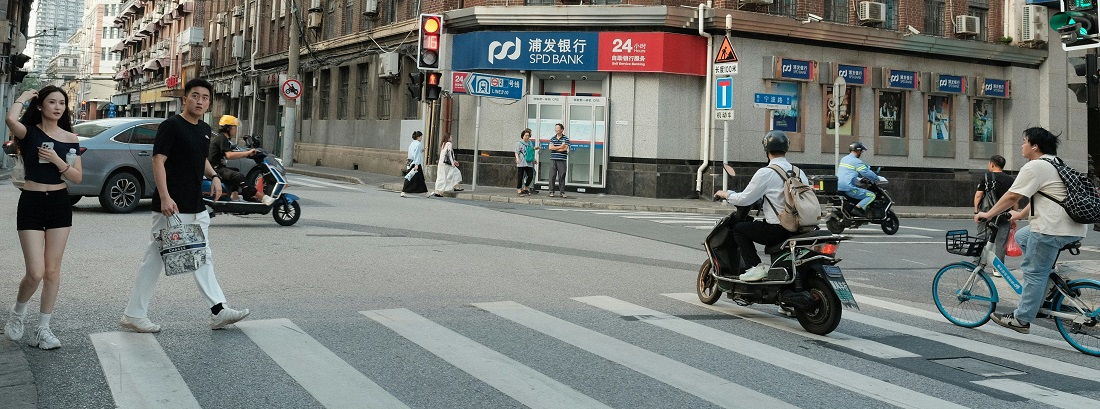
{"type": "Point", "coordinates": [786, 211]}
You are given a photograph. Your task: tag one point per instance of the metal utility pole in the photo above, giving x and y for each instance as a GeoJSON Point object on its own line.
{"type": "Point", "coordinates": [290, 120]}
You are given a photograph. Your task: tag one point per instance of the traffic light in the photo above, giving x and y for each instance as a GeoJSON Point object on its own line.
{"type": "Point", "coordinates": [17, 62]}
{"type": "Point", "coordinates": [1077, 24]}
{"type": "Point", "coordinates": [431, 93]}
{"type": "Point", "coordinates": [17, 77]}
{"type": "Point", "coordinates": [416, 84]}
{"type": "Point", "coordinates": [431, 29]}
{"type": "Point", "coordinates": [83, 106]}
{"type": "Point", "coordinates": [1086, 67]}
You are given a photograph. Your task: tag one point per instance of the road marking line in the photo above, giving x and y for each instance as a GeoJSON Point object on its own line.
{"type": "Point", "coordinates": [865, 346]}
{"type": "Point", "coordinates": [853, 381]}
{"type": "Point", "coordinates": [992, 328]}
{"type": "Point", "coordinates": [709, 223]}
{"type": "Point", "coordinates": [673, 217]}
{"type": "Point", "coordinates": [139, 373]}
{"type": "Point", "coordinates": [514, 379]}
{"type": "Point", "coordinates": [1042, 394]}
{"type": "Point", "coordinates": [322, 373]}
{"type": "Point", "coordinates": [924, 229]}
{"type": "Point", "coordinates": [297, 181]}
{"type": "Point", "coordinates": [853, 283]}
{"type": "Point", "coordinates": [883, 236]}
{"type": "Point", "coordinates": [897, 242]}
{"type": "Point", "coordinates": [706, 386]}
{"type": "Point", "coordinates": [336, 185]}
{"type": "Point", "coordinates": [914, 262]}
{"type": "Point", "coordinates": [1034, 361]}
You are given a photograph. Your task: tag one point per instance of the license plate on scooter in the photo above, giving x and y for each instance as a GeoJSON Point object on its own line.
{"type": "Point", "coordinates": [836, 279]}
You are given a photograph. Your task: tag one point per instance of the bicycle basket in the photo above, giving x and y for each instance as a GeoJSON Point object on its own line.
{"type": "Point", "coordinates": [961, 243]}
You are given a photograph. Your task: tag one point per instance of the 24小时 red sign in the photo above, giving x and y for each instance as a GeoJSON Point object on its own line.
{"type": "Point", "coordinates": [458, 82]}
{"type": "Point", "coordinates": [653, 52]}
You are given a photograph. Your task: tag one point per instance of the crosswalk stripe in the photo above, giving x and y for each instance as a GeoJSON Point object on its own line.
{"type": "Point", "coordinates": [865, 346]}
{"type": "Point", "coordinates": [330, 184]}
{"type": "Point", "coordinates": [672, 217]}
{"type": "Point", "coordinates": [1035, 361]}
{"type": "Point", "coordinates": [709, 223]}
{"type": "Point", "coordinates": [880, 235]}
{"type": "Point", "coordinates": [1040, 394]}
{"type": "Point", "coordinates": [300, 182]}
{"type": "Point", "coordinates": [709, 387]}
{"type": "Point", "coordinates": [853, 381]}
{"type": "Point", "coordinates": [991, 328]}
{"type": "Point", "coordinates": [514, 379]}
{"type": "Point", "coordinates": [322, 373]}
{"type": "Point", "coordinates": [139, 373]}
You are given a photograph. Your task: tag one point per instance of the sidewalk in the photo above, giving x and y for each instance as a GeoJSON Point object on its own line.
{"type": "Point", "coordinates": [588, 200]}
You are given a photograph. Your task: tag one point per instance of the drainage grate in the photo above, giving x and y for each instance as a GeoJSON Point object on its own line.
{"type": "Point", "coordinates": [978, 367]}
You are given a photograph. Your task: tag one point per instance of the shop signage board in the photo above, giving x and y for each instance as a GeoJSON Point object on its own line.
{"type": "Point", "coordinates": [494, 86]}
{"type": "Point", "coordinates": [853, 74]}
{"type": "Point", "coordinates": [995, 88]}
{"type": "Point", "coordinates": [901, 79]}
{"type": "Point", "coordinates": [772, 101]}
{"type": "Point", "coordinates": [951, 84]}
{"type": "Point", "coordinates": [458, 82]}
{"type": "Point", "coordinates": [580, 51]}
{"type": "Point", "coordinates": [791, 69]}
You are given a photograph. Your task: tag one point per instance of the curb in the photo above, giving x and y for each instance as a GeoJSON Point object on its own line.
{"type": "Point", "coordinates": [722, 211]}
{"type": "Point", "coordinates": [17, 388]}
{"type": "Point", "coordinates": [342, 178]}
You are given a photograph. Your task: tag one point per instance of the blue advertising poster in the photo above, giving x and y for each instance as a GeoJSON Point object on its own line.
{"type": "Point", "coordinates": [951, 83]}
{"type": "Point", "coordinates": [786, 120]}
{"type": "Point", "coordinates": [546, 51]}
{"type": "Point", "coordinates": [995, 88]}
{"type": "Point", "coordinates": [903, 79]}
{"type": "Point", "coordinates": [852, 74]}
{"type": "Point", "coordinates": [796, 69]}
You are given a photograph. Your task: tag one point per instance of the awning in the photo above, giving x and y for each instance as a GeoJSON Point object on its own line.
{"type": "Point", "coordinates": [118, 75]}
{"type": "Point", "coordinates": [152, 65]}
{"type": "Point", "coordinates": [149, 28]}
{"type": "Point", "coordinates": [187, 7]}
{"type": "Point", "coordinates": [118, 47]}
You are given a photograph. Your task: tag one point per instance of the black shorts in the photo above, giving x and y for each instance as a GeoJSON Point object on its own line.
{"type": "Point", "coordinates": [44, 210]}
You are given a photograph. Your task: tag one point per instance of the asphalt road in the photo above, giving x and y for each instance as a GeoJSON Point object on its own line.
{"type": "Point", "coordinates": [372, 300]}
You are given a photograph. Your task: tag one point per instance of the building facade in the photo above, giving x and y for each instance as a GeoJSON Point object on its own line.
{"type": "Point", "coordinates": [59, 19]}
{"type": "Point", "coordinates": [92, 86]}
{"type": "Point", "coordinates": [933, 87]}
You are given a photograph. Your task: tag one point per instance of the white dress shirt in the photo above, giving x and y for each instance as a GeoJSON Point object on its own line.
{"type": "Point", "coordinates": [766, 183]}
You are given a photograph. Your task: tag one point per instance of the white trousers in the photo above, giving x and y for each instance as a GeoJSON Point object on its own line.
{"type": "Point", "coordinates": [152, 267]}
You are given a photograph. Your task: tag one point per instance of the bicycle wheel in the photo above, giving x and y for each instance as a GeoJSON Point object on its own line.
{"type": "Point", "coordinates": [965, 305]}
{"type": "Point", "coordinates": [1085, 336]}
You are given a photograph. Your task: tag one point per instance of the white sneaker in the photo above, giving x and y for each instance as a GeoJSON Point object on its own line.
{"type": "Point", "coordinates": [268, 200]}
{"type": "Point", "coordinates": [757, 273]}
{"type": "Point", "coordinates": [44, 339]}
{"type": "Point", "coordinates": [227, 316]}
{"type": "Point", "coordinates": [996, 273]}
{"type": "Point", "coordinates": [14, 328]}
{"type": "Point", "coordinates": [138, 324]}
{"type": "Point", "coordinates": [403, 194]}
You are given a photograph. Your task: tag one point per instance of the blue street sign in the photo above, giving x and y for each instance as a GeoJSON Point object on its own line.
{"type": "Point", "coordinates": [772, 101]}
{"type": "Point", "coordinates": [723, 93]}
{"type": "Point", "coordinates": [495, 86]}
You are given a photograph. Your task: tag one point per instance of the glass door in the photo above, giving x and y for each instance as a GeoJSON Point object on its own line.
{"type": "Point", "coordinates": [585, 121]}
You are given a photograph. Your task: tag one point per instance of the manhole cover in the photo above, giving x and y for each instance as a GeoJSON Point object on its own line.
{"type": "Point", "coordinates": [978, 367]}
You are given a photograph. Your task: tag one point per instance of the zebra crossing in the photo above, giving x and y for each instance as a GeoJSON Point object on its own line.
{"type": "Point", "coordinates": [140, 374]}
{"type": "Point", "coordinates": [298, 181]}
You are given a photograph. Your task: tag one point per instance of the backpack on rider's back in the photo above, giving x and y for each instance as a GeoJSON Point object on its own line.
{"type": "Point", "coordinates": [802, 210]}
{"type": "Point", "coordinates": [1082, 202]}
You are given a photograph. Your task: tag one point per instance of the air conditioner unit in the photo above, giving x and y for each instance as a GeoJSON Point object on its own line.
{"type": "Point", "coordinates": [389, 64]}
{"type": "Point", "coordinates": [238, 47]}
{"type": "Point", "coordinates": [746, 2]}
{"type": "Point", "coordinates": [314, 20]}
{"type": "Point", "coordinates": [967, 25]}
{"type": "Point", "coordinates": [220, 19]}
{"type": "Point", "coordinates": [370, 7]}
{"type": "Point", "coordinates": [205, 61]}
{"type": "Point", "coordinates": [1033, 28]}
{"type": "Point", "coordinates": [238, 11]}
{"type": "Point", "coordinates": [247, 91]}
{"type": "Point", "coordinates": [315, 5]}
{"type": "Point", "coordinates": [871, 12]}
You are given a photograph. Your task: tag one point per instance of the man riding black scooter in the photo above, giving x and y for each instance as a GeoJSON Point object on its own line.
{"type": "Point", "coordinates": [221, 150]}
{"type": "Point", "coordinates": [849, 172]}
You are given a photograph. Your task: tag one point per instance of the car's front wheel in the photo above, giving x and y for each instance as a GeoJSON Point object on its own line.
{"type": "Point", "coordinates": [121, 193]}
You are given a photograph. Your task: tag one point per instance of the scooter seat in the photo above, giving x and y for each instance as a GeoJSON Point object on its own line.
{"type": "Point", "coordinates": [814, 235]}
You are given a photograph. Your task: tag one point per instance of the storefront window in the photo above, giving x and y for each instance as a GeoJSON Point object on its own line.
{"type": "Point", "coordinates": [846, 116]}
{"type": "Point", "coordinates": [787, 120]}
{"type": "Point", "coordinates": [984, 110]}
{"type": "Point", "coordinates": [891, 114]}
{"type": "Point", "coordinates": [939, 117]}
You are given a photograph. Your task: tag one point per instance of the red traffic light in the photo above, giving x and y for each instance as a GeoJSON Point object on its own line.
{"type": "Point", "coordinates": [433, 78]}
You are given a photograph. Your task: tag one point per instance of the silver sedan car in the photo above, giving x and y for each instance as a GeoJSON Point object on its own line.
{"type": "Point", "coordinates": [117, 162]}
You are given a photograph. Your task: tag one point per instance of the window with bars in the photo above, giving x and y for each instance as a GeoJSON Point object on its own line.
{"type": "Point", "coordinates": [933, 17]}
{"type": "Point", "coordinates": [307, 99]}
{"type": "Point", "coordinates": [836, 11]}
{"type": "Point", "coordinates": [342, 93]}
{"type": "Point", "coordinates": [606, 2]}
{"type": "Point", "coordinates": [412, 107]}
{"type": "Point", "coordinates": [349, 16]}
{"type": "Point", "coordinates": [982, 14]}
{"type": "Point", "coordinates": [326, 83]}
{"type": "Point", "coordinates": [784, 8]}
{"type": "Point", "coordinates": [539, 2]}
{"type": "Point", "coordinates": [330, 20]}
{"type": "Point", "coordinates": [361, 91]}
{"type": "Point", "coordinates": [385, 91]}
{"type": "Point", "coordinates": [391, 15]}
{"type": "Point", "coordinates": [891, 22]}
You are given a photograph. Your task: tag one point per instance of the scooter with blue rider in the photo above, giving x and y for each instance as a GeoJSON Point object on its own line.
{"type": "Point", "coordinates": [267, 176]}
{"type": "Point", "coordinates": [843, 212]}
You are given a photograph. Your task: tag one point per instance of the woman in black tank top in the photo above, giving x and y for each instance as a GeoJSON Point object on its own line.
{"type": "Point", "coordinates": [44, 216]}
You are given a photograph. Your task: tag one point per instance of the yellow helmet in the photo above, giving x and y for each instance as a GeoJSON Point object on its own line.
{"type": "Point", "coordinates": [229, 120]}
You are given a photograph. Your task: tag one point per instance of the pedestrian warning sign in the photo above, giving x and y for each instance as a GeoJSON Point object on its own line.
{"type": "Point", "coordinates": [726, 53]}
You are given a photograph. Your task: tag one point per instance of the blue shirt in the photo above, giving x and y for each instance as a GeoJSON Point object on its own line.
{"type": "Point", "coordinates": [850, 169]}
{"type": "Point", "coordinates": [555, 141]}
{"type": "Point", "coordinates": [416, 152]}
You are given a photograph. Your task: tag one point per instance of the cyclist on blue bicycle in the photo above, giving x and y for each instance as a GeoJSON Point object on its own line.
{"type": "Point", "coordinates": [1049, 229]}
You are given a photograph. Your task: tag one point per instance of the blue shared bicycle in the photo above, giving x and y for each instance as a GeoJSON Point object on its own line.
{"type": "Point", "coordinates": [966, 295]}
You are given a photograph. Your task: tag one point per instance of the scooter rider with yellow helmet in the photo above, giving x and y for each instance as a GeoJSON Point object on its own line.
{"type": "Point", "coordinates": [221, 150]}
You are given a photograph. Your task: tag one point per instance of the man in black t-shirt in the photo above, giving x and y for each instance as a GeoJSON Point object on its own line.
{"type": "Point", "coordinates": [993, 185]}
{"type": "Point", "coordinates": [179, 164]}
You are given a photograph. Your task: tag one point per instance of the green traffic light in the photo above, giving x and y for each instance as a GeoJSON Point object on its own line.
{"type": "Point", "coordinates": [1083, 5]}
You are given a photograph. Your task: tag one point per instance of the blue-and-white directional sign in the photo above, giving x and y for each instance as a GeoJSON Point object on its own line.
{"type": "Point", "coordinates": [723, 93]}
{"type": "Point", "coordinates": [771, 101]}
{"type": "Point", "coordinates": [494, 86]}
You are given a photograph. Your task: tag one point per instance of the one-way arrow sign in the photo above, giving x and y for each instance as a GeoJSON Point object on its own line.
{"type": "Point", "coordinates": [494, 86]}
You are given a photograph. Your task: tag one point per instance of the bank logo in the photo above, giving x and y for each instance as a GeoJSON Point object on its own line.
{"type": "Point", "coordinates": [505, 48]}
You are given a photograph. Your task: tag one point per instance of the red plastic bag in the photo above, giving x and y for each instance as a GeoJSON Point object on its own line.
{"type": "Point", "coordinates": [1013, 249]}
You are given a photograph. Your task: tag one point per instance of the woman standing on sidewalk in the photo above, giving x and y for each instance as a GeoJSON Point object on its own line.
{"type": "Point", "coordinates": [447, 174]}
{"type": "Point", "coordinates": [525, 163]}
{"type": "Point", "coordinates": [414, 179]}
{"type": "Point", "coordinates": [44, 215]}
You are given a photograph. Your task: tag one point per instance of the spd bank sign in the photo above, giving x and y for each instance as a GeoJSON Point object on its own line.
{"type": "Point", "coordinates": [517, 50]}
